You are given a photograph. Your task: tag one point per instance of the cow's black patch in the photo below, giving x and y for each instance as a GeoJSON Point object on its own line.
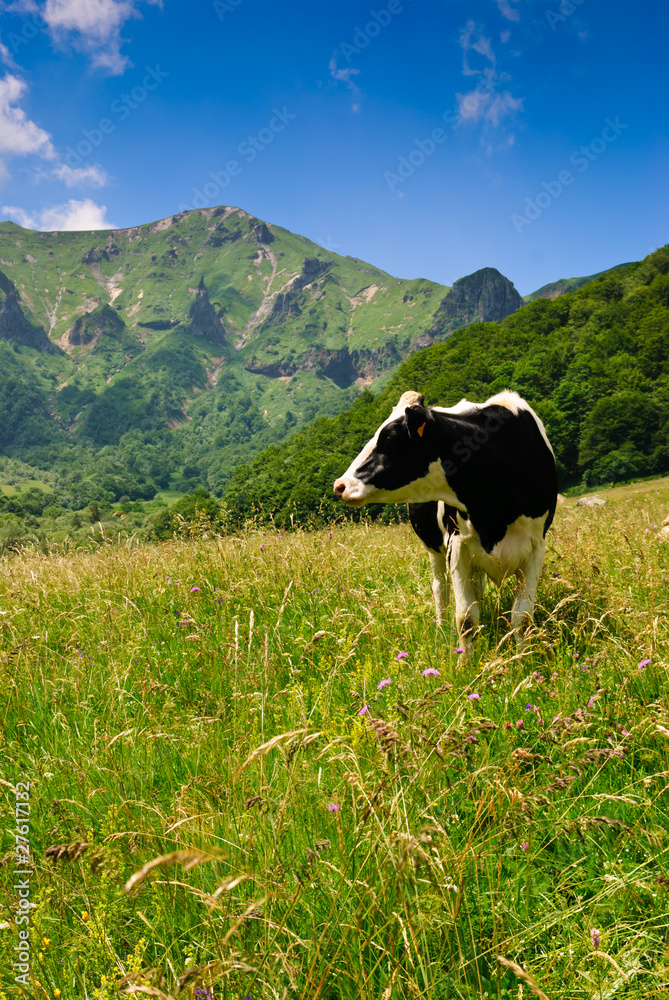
{"type": "Point", "coordinates": [396, 460]}
{"type": "Point", "coordinates": [424, 519]}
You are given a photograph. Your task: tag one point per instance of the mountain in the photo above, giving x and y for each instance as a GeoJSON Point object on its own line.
{"type": "Point", "coordinates": [179, 348]}
{"type": "Point", "coordinates": [555, 288]}
{"type": "Point", "coordinates": [594, 363]}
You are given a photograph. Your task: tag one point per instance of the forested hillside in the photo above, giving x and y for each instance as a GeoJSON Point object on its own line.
{"type": "Point", "coordinates": [593, 362]}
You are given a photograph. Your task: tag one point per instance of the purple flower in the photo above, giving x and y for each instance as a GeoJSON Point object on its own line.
{"type": "Point", "coordinates": [596, 940]}
{"type": "Point", "coordinates": [583, 666]}
{"type": "Point", "coordinates": [520, 724]}
{"type": "Point", "coordinates": [473, 697]}
{"type": "Point", "coordinates": [525, 846]}
{"type": "Point", "coordinates": [643, 663]}
{"type": "Point", "coordinates": [430, 672]}
{"type": "Point", "coordinates": [262, 547]}
{"type": "Point", "coordinates": [576, 656]}
{"type": "Point", "coordinates": [624, 732]}
{"type": "Point", "coordinates": [334, 807]}
{"type": "Point", "coordinates": [460, 649]}
{"type": "Point", "coordinates": [383, 683]}
{"type": "Point", "coordinates": [529, 706]}
{"type": "Point", "coordinates": [195, 590]}
{"type": "Point", "coordinates": [364, 710]}
{"type": "Point", "coordinates": [401, 656]}
{"type": "Point", "coordinates": [279, 536]}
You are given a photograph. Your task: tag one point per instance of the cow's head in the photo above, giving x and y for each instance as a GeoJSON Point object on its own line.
{"type": "Point", "coordinates": [396, 463]}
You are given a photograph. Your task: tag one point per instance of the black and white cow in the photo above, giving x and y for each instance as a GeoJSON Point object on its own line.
{"type": "Point", "coordinates": [481, 484]}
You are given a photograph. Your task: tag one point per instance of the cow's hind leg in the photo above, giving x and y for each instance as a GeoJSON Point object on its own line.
{"type": "Point", "coordinates": [440, 583]}
{"type": "Point", "coordinates": [528, 580]}
{"type": "Point", "coordinates": [463, 576]}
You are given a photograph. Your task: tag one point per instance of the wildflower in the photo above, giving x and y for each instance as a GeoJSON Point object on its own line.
{"type": "Point", "coordinates": [508, 725]}
{"type": "Point", "coordinates": [364, 710]}
{"type": "Point", "coordinates": [520, 724]}
{"type": "Point", "coordinates": [401, 656]}
{"type": "Point", "coordinates": [473, 697]}
{"type": "Point", "coordinates": [430, 672]}
{"type": "Point", "coordinates": [460, 649]}
{"type": "Point", "coordinates": [583, 666]}
{"type": "Point", "coordinates": [624, 732]}
{"type": "Point", "coordinates": [279, 536]}
{"type": "Point", "coordinates": [329, 534]}
{"type": "Point", "coordinates": [195, 590]}
{"type": "Point", "coordinates": [383, 683]}
{"type": "Point", "coordinates": [593, 699]}
{"type": "Point", "coordinates": [524, 846]}
{"type": "Point", "coordinates": [529, 707]}
{"type": "Point", "coordinates": [85, 915]}
{"type": "Point", "coordinates": [46, 942]}
{"type": "Point", "coordinates": [262, 547]}
{"type": "Point", "coordinates": [334, 807]}
{"type": "Point", "coordinates": [555, 674]}
{"type": "Point", "coordinates": [596, 939]}
{"type": "Point", "coordinates": [643, 663]}
{"type": "Point", "coordinates": [56, 992]}
{"type": "Point", "coordinates": [576, 656]}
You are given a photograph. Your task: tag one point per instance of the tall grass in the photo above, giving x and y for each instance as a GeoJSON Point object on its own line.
{"type": "Point", "coordinates": [199, 702]}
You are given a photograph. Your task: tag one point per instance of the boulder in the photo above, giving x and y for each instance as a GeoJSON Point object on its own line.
{"type": "Point", "coordinates": [591, 501]}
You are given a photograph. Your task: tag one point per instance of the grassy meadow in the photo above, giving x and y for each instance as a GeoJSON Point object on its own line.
{"type": "Point", "coordinates": [225, 799]}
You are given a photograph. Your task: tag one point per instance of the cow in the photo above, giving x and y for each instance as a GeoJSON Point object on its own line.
{"type": "Point", "coordinates": [481, 484]}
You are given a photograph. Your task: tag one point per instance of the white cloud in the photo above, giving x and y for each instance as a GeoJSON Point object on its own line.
{"type": "Point", "coordinates": [19, 135]}
{"type": "Point", "coordinates": [346, 75]}
{"type": "Point", "coordinates": [91, 176]}
{"type": "Point", "coordinates": [486, 103]}
{"type": "Point", "coordinates": [90, 26]}
{"type": "Point", "coordinates": [73, 215]}
{"type": "Point", "coordinates": [507, 11]}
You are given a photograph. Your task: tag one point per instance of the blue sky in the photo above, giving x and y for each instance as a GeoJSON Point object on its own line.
{"type": "Point", "coordinates": [429, 138]}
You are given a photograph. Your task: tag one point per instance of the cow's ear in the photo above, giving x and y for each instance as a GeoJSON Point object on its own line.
{"type": "Point", "coordinates": [417, 418]}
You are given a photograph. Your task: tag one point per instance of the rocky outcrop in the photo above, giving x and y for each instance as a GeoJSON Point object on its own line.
{"type": "Point", "coordinates": [92, 325]}
{"type": "Point", "coordinates": [485, 296]}
{"type": "Point", "coordinates": [287, 303]}
{"type": "Point", "coordinates": [203, 319]}
{"type": "Point", "coordinates": [15, 325]}
{"type": "Point", "coordinates": [261, 234]}
{"type": "Point", "coordinates": [342, 366]}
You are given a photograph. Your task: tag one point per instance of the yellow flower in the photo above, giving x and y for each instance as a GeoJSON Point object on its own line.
{"type": "Point", "coordinates": [85, 915]}
{"type": "Point", "coordinates": [56, 992]}
{"type": "Point", "coordinates": [40, 955]}
{"type": "Point", "coordinates": [46, 942]}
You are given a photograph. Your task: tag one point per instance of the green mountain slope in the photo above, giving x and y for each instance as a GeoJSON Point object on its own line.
{"type": "Point", "coordinates": [555, 288]}
{"type": "Point", "coordinates": [594, 363]}
{"type": "Point", "coordinates": [170, 352]}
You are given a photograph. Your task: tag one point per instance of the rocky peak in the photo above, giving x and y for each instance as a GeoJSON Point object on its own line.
{"type": "Point", "coordinates": [15, 325]}
{"type": "Point", "coordinates": [485, 296]}
{"type": "Point", "coordinates": [203, 320]}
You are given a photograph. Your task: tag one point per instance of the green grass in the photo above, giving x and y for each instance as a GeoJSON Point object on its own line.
{"type": "Point", "coordinates": [222, 722]}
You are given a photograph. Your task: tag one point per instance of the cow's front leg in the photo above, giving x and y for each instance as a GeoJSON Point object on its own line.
{"type": "Point", "coordinates": [463, 575]}
{"type": "Point", "coordinates": [528, 580]}
{"type": "Point", "coordinates": [440, 584]}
